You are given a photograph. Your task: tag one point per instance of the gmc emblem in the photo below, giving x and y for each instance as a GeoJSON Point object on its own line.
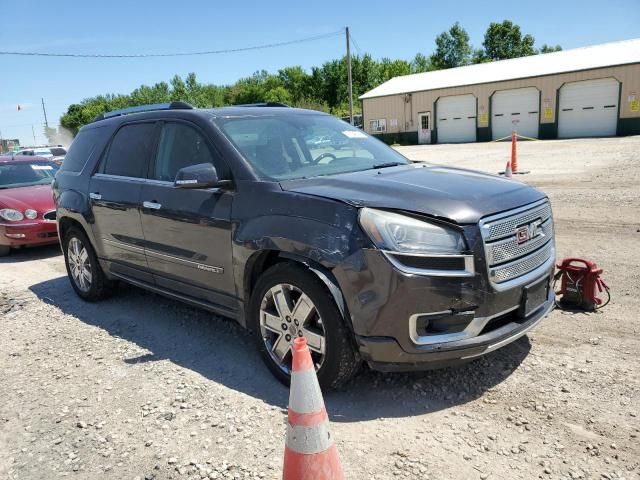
{"type": "Point", "coordinates": [528, 232]}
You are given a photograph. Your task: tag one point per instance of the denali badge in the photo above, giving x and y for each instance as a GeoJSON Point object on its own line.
{"type": "Point", "coordinates": [209, 268]}
{"type": "Point", "coordinates": [528, 232]}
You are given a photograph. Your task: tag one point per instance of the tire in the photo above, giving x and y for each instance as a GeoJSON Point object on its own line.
{"type": "Point", "coordinates": [95, 286]}
{"type": "Point", "coordinates": [4, 250]}
{"type": "Point", "coordinates": [340, 361]}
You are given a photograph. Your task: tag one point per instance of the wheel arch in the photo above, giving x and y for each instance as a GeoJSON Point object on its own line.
{"type": "Point", "coordinates": [261, 261]}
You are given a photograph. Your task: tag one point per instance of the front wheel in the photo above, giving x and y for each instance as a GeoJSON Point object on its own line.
{"type": "Point", "coordinates": [288, 302]}
{"type": "Point", "coordinates": [4, 250]}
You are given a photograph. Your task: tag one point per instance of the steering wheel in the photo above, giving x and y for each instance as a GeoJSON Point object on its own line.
{"type": "Point", "coordinates": [324, 155]}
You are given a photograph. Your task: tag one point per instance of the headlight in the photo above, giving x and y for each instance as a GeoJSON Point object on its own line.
{"type": "Point", "coordinates": [403, 234]}
{"type": "Point", "coordinates": [11, 214]}
{"type": "Point", "coordinates": [30, 214]}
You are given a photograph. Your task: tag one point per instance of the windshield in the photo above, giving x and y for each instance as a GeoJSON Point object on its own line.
{"type": "Point", "coordinates": [26, 174]}
{"type": "Point", "coordinates": [286, 147]}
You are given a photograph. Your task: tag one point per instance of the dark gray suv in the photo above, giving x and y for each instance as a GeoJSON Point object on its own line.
{"type": "Point", "coordinates": [295, 223]}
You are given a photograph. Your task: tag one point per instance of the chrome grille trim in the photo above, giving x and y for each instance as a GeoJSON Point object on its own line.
{"type": "Point", "coordinates": [504, 225]}
{"type": "Point", "coordinates": [49, 216]}
{"type": "Point", "coordinates": [508, 249]}
{"type": "Point", "coordinates": [507, 259]}
{"type": "Point", "coordinates": [521, 266]}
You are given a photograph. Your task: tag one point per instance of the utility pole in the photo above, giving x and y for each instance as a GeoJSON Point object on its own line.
{"type": "Point", "coordinates": [34, 135]}
{"type": "Point", "coordinates": [349, 77]}
{"type": "Point", "coordinates": [46, 123]}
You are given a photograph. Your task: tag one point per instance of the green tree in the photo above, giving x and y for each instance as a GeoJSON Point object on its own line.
{"type": "Point", "coordinates": [504, 40]}
{"type": "Point", "coordinates": [452, 48]}
{"type": "Point", "coordinates": [393, 68]}
{"type": "Point", "coordinates": [421, 63]}
{"type": "Point", "coordinates": [278, 94]}
{"type": "Point", "coordinates": [296, 81]}
{"type": "Point", "coordinates": [549, 48]}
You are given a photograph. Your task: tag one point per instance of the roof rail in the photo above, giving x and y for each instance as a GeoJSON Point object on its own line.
{"type": "Point", "coordinates": [144, 108]}
{"type": "Point", "coordinates": [263, 104]}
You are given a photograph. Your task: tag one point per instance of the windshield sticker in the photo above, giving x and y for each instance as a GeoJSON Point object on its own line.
{"type": "Point", "coordinates": [354, 134]}
{"type": "Point", "coordinates": [42, 167]}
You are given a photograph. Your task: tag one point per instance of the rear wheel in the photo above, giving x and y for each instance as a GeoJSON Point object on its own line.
{"type": "Point", "coordinates": [86, 276]}
{"type": "Point", "coordinates": [288, 302]}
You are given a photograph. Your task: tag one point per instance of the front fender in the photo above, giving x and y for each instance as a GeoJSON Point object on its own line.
{"type": "Point", "coordinates": [320, 246]}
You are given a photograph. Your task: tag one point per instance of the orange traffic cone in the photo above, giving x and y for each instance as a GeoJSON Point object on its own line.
{"type": "Point", "coordinates": [507, 171]}
{"type": "Point", "coordinates": [309, 454]}
{"type": "Point", "coordinates": [514, 153]}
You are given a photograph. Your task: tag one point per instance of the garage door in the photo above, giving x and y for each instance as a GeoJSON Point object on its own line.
{"type": "Point", "coordinates": [588, 108]}
{"type": "Point", "coordinates": [456, 119]}
{"type": "Point", "coordinates": [516, 109]}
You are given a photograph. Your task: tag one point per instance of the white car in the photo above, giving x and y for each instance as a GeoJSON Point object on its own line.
{"type": "Point", "coordinates": [55, 154]}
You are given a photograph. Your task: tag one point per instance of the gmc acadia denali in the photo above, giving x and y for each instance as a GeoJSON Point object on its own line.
{"type": "Point", "coordinates": [295, 223]}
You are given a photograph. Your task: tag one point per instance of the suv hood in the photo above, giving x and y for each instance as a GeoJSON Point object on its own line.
{"type": "Point", "coordinates": [463, 196]}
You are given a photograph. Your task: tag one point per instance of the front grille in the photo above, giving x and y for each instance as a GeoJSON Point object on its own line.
{"type": "Point", "coordinates": [506, 257]}
{"type": "Point", "coordinates": [506, 226]}
{"type": "Point", "coordinates": [50, 215]}
{"type": "Point", "coordinates": [507, 249]}
{"type": "Point", "coordinates": [522, 266]}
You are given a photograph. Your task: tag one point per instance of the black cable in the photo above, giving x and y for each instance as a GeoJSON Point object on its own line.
{"type": "Point", "coordinates": [179, 54]}
{"type": "Point", "coordinates": [355, 44]}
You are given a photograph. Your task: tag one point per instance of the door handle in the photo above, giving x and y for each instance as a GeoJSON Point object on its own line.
{"type": "Point", "coordinates": [152, 205]}
{"type": "Point", "coordinates": [95, 196]}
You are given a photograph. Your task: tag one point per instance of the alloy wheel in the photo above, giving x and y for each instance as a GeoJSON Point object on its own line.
{"type": "Point", "coordinates": [79, 264]}
{"type": "Point", "coordinates": [286, 312]}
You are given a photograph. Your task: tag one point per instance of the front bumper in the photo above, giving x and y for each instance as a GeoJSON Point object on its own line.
{"type": "Point", "coordinates": [33, 233]}
{"type": "Point", "coordinates": [383, 302]}
{"type": "Point", "coordinates": [385, 354]}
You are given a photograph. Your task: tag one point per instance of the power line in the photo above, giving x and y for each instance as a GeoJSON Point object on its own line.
{"type": "Point", "coordinates": [355, 44]}
{"type": "Point", "coordinates": [178, 54]}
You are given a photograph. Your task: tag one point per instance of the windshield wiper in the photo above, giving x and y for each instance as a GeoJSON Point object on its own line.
{"type": "Point", "coordinates": [388, 164]}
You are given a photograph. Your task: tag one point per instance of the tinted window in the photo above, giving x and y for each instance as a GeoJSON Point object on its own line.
{"type": "Point", "coordinates": [180, 146]}
{"type": "Point", "coordinates": [81, 149]}
{"type": "Point", "coordinates": [130, 150]}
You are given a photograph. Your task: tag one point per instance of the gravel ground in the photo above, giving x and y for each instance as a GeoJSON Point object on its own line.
{"type": "Point", "coordinates": [141, 387]}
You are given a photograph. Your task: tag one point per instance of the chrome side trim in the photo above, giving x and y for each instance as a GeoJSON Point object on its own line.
{"type": "Point", "coordinates": [188, 263]}
{"type": "Point", "coordinates": [119, 177]}
{"type": "Point", "coordinates": [150, 181]}
{"type": "Point", "coordinates": [469, 270]}
{"type": "Point", "coordinates": [472, 330]}
{"type": "Point", "coordinates": [125, 246]}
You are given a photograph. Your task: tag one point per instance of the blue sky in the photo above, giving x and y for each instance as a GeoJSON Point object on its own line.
{"type": "Point", "coordinates": [382, 28]}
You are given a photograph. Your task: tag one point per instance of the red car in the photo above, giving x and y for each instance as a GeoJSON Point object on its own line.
{"type": "Point", "coordinates": [27, 211]}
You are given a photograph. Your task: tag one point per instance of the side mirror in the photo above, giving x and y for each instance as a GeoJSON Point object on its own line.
{"type": "Point", "coordinates": [202, 175]}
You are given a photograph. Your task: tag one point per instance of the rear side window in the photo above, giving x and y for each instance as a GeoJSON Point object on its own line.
{"type": "Point", "coordinates": [130, 150]}
{"type": "Point", "coordinates": [82, 148]}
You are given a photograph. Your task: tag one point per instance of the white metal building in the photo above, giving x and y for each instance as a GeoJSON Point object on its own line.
{"type": "Point", "coordinates": [584, 92]}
